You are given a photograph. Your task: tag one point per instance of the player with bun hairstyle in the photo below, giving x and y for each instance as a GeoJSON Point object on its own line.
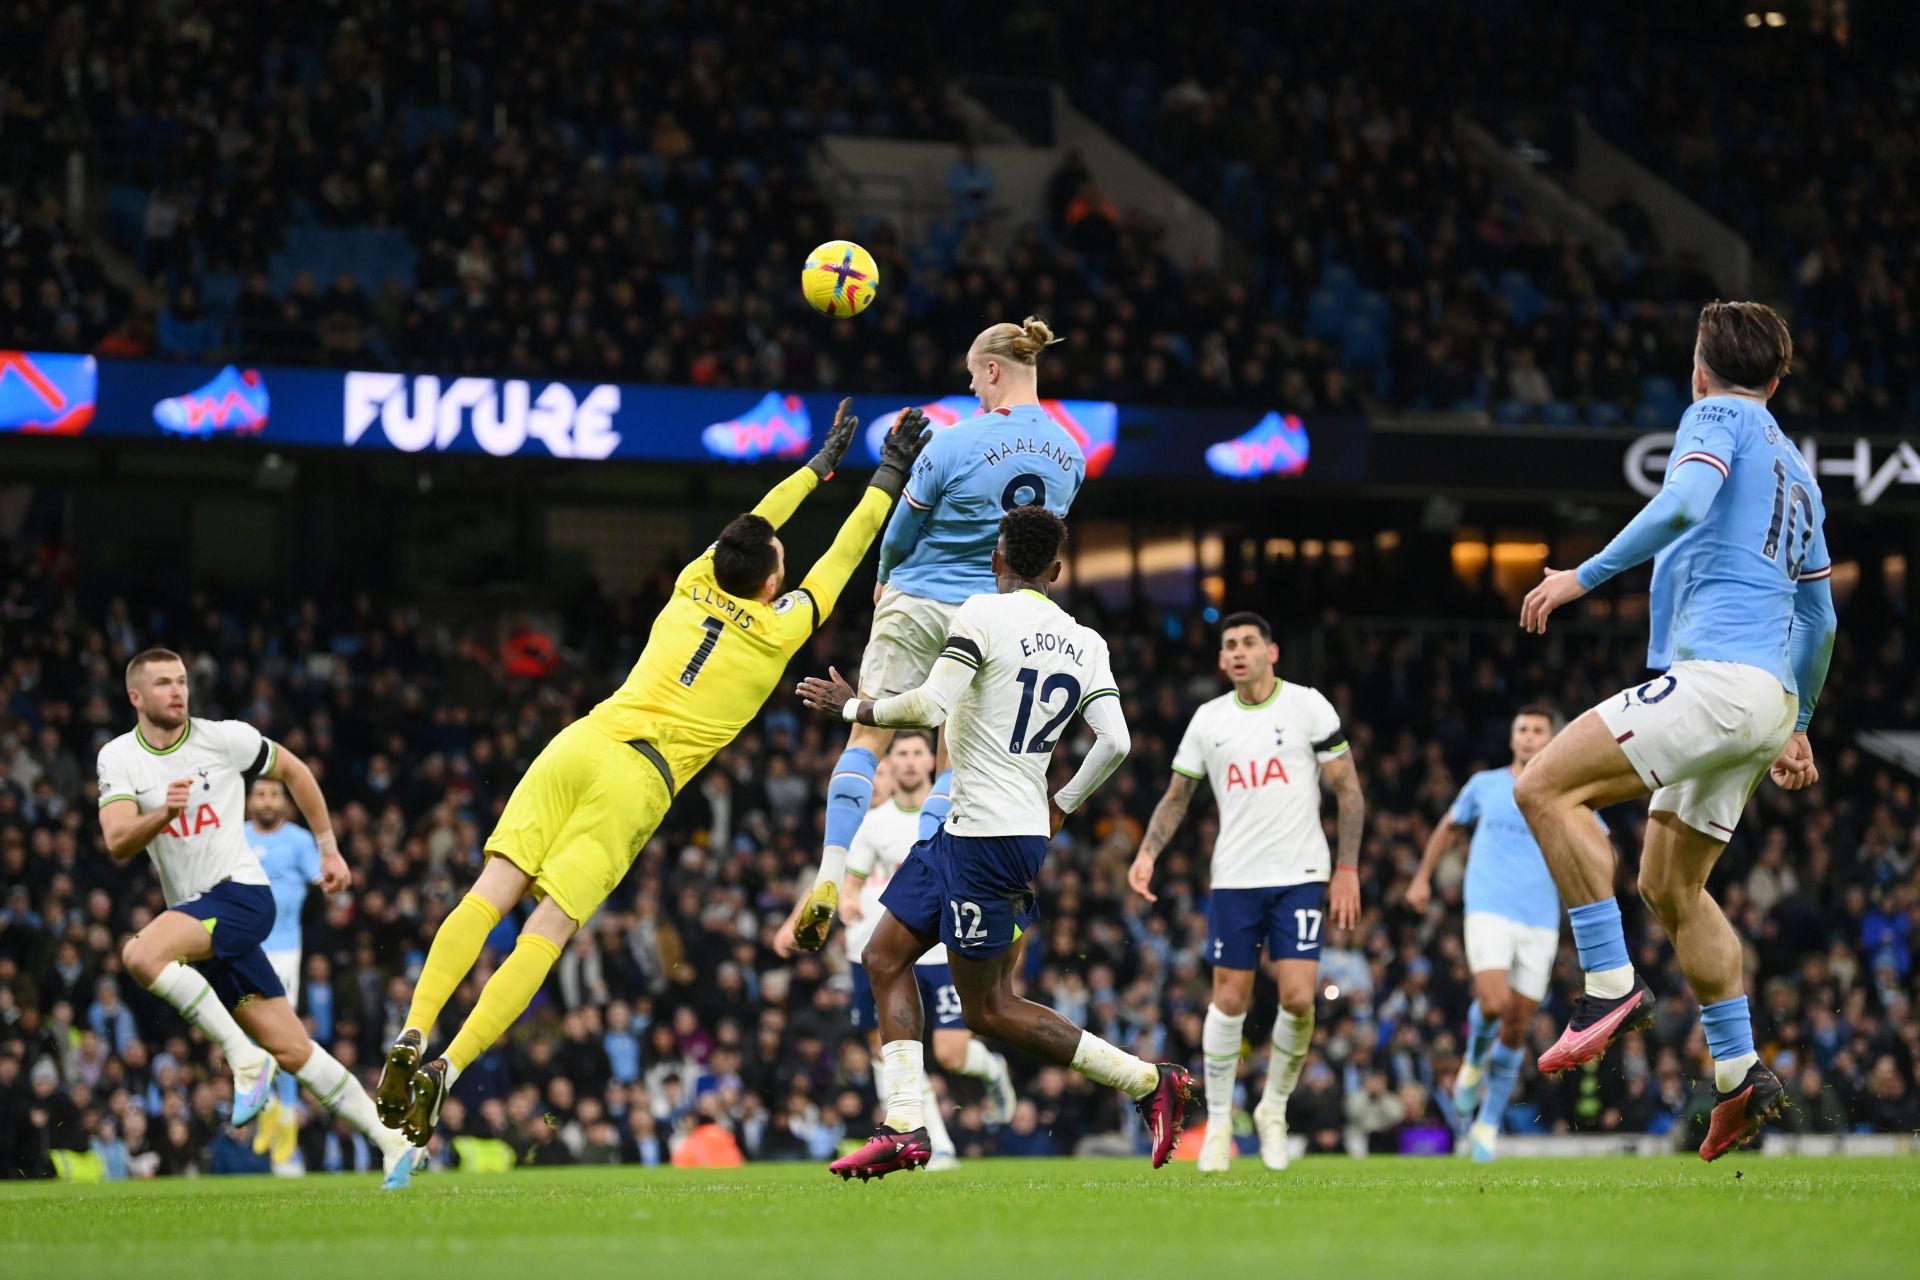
{"type": "Point", "coordinates": [937, 552]}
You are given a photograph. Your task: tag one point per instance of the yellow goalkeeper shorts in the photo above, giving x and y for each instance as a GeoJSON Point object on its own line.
{"type": "Point", "coordinates": [581, 815]}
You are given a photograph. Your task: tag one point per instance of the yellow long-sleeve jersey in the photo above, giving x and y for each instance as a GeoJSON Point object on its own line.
{"type": "Point", "coordinates": [712, 659]}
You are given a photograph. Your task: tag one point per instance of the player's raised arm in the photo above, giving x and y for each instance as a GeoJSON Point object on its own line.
{"type": "Point", "coordinates": [830, 572]}
{"type": "Point", "coordinates": [922, 490]}
{"type": "Point", "coordinates": [291, 770]}
{"type": "Point", "coordinates": [785, 498]}
{"type": "Point", "coordinates": [1702, 451]}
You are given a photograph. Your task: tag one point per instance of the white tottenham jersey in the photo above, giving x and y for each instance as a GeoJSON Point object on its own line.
{"type": "Point", "coordinates": [1035, 668]}
{"type": "Point", "coordinates": [1264, 763]}
{"type": "Point", "coordinates": [207, 843]}
{"type": "Point", "coordinates": [885, 838]}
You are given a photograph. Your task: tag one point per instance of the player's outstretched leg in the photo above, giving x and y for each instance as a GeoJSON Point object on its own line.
{"type": "Point", "coordinates": [1513, 1012]}
{"type": "Point", "coordinates": [158, 958]}
{"type": "Point", "coordinates": [1220, 1038]}
{"type": "Point", "coordinates": [505, 997]}
{"type": "Point", "coordinates": [1581, 770]}
{"type": "Point", "coordinates": [1160, 1092]}
{"type": "Point", "coordinates": [1292, 1038]}
{"type": "Point", "coordinates": [902, 1140]}
{"type": "Point", "coordinates": [456, 946]}
{"type": "Point", "coordinates": [1481, 1030]}
{"type": "Point", "coordinates": [273, 1023]}
{"type": "Point", "coordinates": [849, 796]}
{"type": "Point", "coordinates": [1673, 881]}
{"type": "Point", "coordinates": [1503, 1074]}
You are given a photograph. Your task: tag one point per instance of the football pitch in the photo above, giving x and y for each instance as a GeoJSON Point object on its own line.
{"type": "Point", "coordinates": [1836, 1219]}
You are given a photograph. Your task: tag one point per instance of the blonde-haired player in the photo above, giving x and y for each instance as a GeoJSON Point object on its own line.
{"type": "Point", "coordinates": [595, 794]}
{"type": "Point", "coordinates": [938, 552]}
{"type": "Point", "coordinates": [175, 788]}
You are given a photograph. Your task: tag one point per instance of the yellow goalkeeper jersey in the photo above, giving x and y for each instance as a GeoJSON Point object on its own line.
{"type": "Point", "coordinates": [711, 659]}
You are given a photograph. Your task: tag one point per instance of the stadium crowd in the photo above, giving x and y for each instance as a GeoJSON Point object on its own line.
{"type": "Point", "coordinates": [673, 1032]}
{"type": "Point", "coordinates": [343, 188]}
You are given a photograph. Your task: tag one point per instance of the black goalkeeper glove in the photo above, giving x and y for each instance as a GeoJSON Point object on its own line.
{"type": "Point", "coordinates": [899, 451]}
{"type": "Point", "coordinates": [839, 436]}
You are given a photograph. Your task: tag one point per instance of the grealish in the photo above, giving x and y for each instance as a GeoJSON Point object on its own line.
{"type": "Point", "coordinates": [1045, 449]}
{"type": "Point", "coordinates": [1051, 642]}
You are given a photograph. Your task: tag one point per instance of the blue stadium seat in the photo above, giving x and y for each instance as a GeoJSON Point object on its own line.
{"type": "Point", "coordinates": [1363, 345]}
{"type": "Point", "coordinates": [1513, 413]}
{"type": "Point", "coordinates": [1522, 298]}
{"type": "Point", "coordinates": [1558, 413]}
{"type": "Point", "coordinates": [1660, 394]}
{"type": "Point", "coordinates": [1326, 316]}
{"type": "Point", "coordinates": [1339, 277]}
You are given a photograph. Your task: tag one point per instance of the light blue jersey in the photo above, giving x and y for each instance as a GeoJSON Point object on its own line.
{"type": "Point", "coordinates": [939, 543]}
{"type": "Point", "coordinates": [1506, 874]}
{"type": "Point", "coordinates": [1723, 591]}
{"type": "Point", "coordinates": [292, 861]}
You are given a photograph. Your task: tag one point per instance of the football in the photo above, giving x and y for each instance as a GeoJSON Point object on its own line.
{"type": "Point", "coordinates": [840, 279]}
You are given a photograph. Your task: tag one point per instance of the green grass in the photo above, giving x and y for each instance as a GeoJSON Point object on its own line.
{"type": "Point", "coordinates": [1324, 1219]}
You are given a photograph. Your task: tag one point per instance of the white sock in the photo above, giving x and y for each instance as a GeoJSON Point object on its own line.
{"type": "Point", "coordinates": [453, 1072]}
{"type": "Point", "coordinates": [1610, 984]}
{"type": "Point", "coordinates": [186, 989]}
{"type": "Point", "coordinates": [906, 1071]}
{"type": "Point", "coordinates": [341, 1095]}
{"type": "Point", "coordinates": [1220, 1042]}
{"type": "Point", "coordinates": [1292, 1037]}
{"type": "Point", "coordinates": [1109, 1064]}
{"type": "Point", "coordinates": [982, 1063]}
{"type": "Point", "coordinates": [879, 1078]}
{"type": "Point", "coordinates": [1729, 1072]}
{"type": "Point", "coordinates": [940, 1139]}
{"type": "Point", "coordinates": [833, 865]}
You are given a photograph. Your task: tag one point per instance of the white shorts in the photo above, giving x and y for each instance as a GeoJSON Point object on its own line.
{"type": "Point", "coordinates": [908, 634]}
{"type": "Point", "coordinates": [287, 965]}
{"type": "Point", "coordinates": [1701, 737]}
{"type": "Point", "coordinates": [1524, 952]}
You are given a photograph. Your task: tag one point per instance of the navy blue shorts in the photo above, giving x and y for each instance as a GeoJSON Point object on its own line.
{"type": "Point", "coordinates": [238, 917]}
{"type": "Point", "coordinates": [1285, 919]}
{"type": "Point", "coordinates": [938, 997]}
{"type": "Point", "coordinates": [974, 892]}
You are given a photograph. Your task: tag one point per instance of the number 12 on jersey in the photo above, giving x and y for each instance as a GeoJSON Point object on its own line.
{"type": "Point", "coordinates": [1043, 741]}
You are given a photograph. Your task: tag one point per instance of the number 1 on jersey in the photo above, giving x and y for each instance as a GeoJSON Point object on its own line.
{"type": "Point", "coordinates": [713, 627]}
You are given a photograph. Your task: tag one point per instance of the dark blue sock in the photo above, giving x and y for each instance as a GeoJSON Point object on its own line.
{"type": "Point", "coordinates": [938, 805]}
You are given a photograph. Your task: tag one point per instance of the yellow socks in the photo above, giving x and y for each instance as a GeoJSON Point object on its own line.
{"type": "Point", "coordinates": [455, 947]}
{"type": "Point", "coordinates": [504, 998]}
